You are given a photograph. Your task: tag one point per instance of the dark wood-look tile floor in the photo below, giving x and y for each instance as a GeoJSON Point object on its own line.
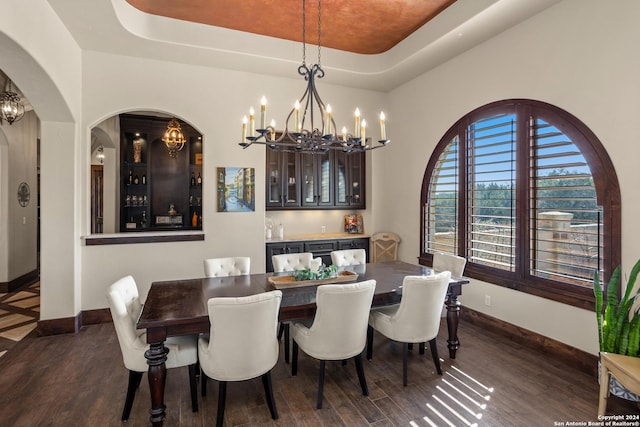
{"type": "Point", "coordinates": [79, 379]}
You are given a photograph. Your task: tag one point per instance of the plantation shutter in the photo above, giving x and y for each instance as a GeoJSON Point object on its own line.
{"type": "Point", "coordinates": [491, 176]}
{"type": "Point", "coordinates": [441, 213]}
{"type": "Point", "coordinates": [565, 218]}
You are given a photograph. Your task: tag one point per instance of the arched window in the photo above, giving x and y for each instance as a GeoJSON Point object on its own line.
{"type": "Point", "coordinates": [528, 195]}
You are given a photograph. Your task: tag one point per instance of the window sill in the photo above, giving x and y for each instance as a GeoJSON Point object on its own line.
{"type": "Point", "coordinates": [143, 237]}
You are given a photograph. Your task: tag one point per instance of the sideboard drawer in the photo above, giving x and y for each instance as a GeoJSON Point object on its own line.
{"type": "Point", "coordinates": [320, 246]}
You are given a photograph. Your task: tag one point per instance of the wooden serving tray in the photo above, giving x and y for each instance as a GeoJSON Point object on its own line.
{"type": "Point", "coordinates": [283, 282]}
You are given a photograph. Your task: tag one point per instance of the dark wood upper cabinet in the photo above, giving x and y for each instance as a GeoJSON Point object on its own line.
{"type": "Point", "coordinates": [333, 180]}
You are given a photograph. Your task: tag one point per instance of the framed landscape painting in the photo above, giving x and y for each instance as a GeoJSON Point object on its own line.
{"type": "Point", "coordinates": [236, 189]}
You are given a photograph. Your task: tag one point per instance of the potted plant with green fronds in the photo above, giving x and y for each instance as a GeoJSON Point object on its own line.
{"type": "Point", "coordinates": [618, 322]}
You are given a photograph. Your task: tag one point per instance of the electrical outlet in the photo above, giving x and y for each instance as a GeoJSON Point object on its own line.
{"type": "Point", "coordinates": [324, 228]}
{"type": "Point", "coordinates": [487, 300]}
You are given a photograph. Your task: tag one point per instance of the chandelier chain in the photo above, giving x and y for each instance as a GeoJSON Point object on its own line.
{"type": "Point", "coordinates": [319, 32]}
{"type": "Point", "coordinates": [304, 32]}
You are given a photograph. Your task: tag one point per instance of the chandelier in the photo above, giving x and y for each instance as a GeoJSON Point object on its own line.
{"type": "Point", "coordinates": [100, 154]}
{"type": "Point", "coordinates": [310, 127]}
{"type": "Point", "coordinates": [174, 138]}
{"type": "Point", "coordinates": [11, 109]}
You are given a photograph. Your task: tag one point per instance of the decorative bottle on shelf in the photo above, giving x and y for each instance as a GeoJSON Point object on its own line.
{"type": "Point", "coordinates": [194, 220]}
{"type": "Point", "coordinates": [193, 180]}
{"type": "Point", "coordinates": [280, 231]}
{"type": "Point", "coordinates": [199, 180]}
{"type": "Point", "coordinates": [130, 176]}
{"type": "Point", "coordinates": [143, 221]}
{"type": "Point", "coordinates": [144, 178]}
{"type": "Point", "coordinates": [136, 180]}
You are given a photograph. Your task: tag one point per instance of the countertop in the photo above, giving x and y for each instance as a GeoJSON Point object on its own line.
{"type": "Point", "coordinates": [318, 236]}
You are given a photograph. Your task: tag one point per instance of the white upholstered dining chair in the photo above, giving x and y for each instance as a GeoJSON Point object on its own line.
{"type": "Point", "coordinates": [292, 262]}
{"type": "Point", "coordinates": [227, 266]}
{"type": "Point", "coordinates": [295, 262]}
{"type": "Point", "coordinates": [415, 320]}
{"type": "Point", "coordinates": [346, 257]}
{"type": "Point", "coordinates": [449, 262]}
{"type": "Point", "coordinates": [125, 307]}
{"type": "Point", "coordinates": [245, 351]}
{"type": "Point", "coordinates": [338, 331]}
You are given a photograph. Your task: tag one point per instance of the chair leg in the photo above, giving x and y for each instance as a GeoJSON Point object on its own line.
{"type": "Point", "coordinates": [280, 330]}
{"type": "Point", "coordinates": [268, 391]}
{"type": "Point", "coordinates": [421, 347]}
{"type": "Point", "coordinates": [361, 378]}
{"type": "Point", "coordinates": [193, 384]}
{"type": "Point", "coordinates": [369, 342]}
{"type": "Point", "coordinates": [222, 397]}
{"type": "Point", "coordinates": [286, 343]}
{"type": "Point", "coordinates": [203, 384]}
{"type": "Point", "coordinates": [434, 355]}
{"type": "Point", "coordinates": [134, 383]}
{"type": "Point", "coordinates": [320, 384]}
{"type": "Point", "coordinates": [405, 356]}
{"type": "Point", "coordinates": [294, 359]}
{"type": "Point", "coordinates": [410, 346]}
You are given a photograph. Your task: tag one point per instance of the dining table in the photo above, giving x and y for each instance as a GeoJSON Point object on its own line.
{"type": "Point", "coordinates": [179, 307]}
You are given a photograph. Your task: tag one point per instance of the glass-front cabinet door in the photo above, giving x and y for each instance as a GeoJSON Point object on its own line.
{"type": "Point", "coordinates": [282, 184]}
{"type": "Point", "coordinates": [317, 179]}
{"type": "Point", "coordinates": [349, 185]}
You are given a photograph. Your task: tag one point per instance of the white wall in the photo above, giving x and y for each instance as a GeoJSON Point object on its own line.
{"type": "Point", "coordinates": [213, 101]}
{"type": "Point", "coordinates": [40, 56]}
{"type": "Point", "coordinates": [22, 221]}
{"type": "Point", "coordinates": [577, 55]}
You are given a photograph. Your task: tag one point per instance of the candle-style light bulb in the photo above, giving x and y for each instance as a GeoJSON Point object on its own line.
{"type": "Point", "coordinates": [383, 131]}
{"type": "Point", "coordinates": [356, 123]}
{"type": "Point", "coordinates": [344, 133]}
{"type": "Point", "coordinates": [244, 128]}
{"type": "Point", "coordinates": [273, 129]}
{"type": "Point", "coordinates": [328, 120]}
{"type": "Point", "coordinates": [296, 115]}
{"type": "Point", "coordinates": [252, 121]}
{"type": "Point", "coordinates": [363, 133]}
{"type": "Point", "coordinates": [263, 113]}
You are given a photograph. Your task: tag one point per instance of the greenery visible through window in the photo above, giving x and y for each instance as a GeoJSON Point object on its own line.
{"type": "Point", "coordinates": [527, 194]}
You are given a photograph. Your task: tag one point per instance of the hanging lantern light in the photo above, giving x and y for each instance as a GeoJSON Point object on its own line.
{"type": "Point", "coordinates": [11, 109]}
{"type": "Point", "coordinates": [174, 138]}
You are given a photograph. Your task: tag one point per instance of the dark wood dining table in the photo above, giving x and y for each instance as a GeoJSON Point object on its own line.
{"type": "Point", "coordinates": [179, 307]}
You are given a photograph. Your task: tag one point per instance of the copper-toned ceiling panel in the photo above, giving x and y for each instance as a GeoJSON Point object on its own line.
{"type": "Point", "coordinates": [359, 26]}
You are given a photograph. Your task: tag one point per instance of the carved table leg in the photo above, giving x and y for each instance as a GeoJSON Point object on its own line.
{"type": "Point", "coordinates": [156, 358]}
{"type": "Point", "coordinates": [453, 312]}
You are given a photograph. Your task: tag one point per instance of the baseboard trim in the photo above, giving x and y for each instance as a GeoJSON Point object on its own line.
{"type": "Point", "coordinates": [71, 325]}
{"type": "Point", "coordinates": [564, 353]}
{"type": "Point", "coordinates": [24, 280]}
{"type": "Point", "coordinates": [67, 325]}
{"type": "Point", "coordinates": [94, 317]}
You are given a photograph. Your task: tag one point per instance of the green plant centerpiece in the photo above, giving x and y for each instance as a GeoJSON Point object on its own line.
{"type": "Point", "coordinates": [324, 272]}
{"type": "Point", "coordinates": [618, 322]}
